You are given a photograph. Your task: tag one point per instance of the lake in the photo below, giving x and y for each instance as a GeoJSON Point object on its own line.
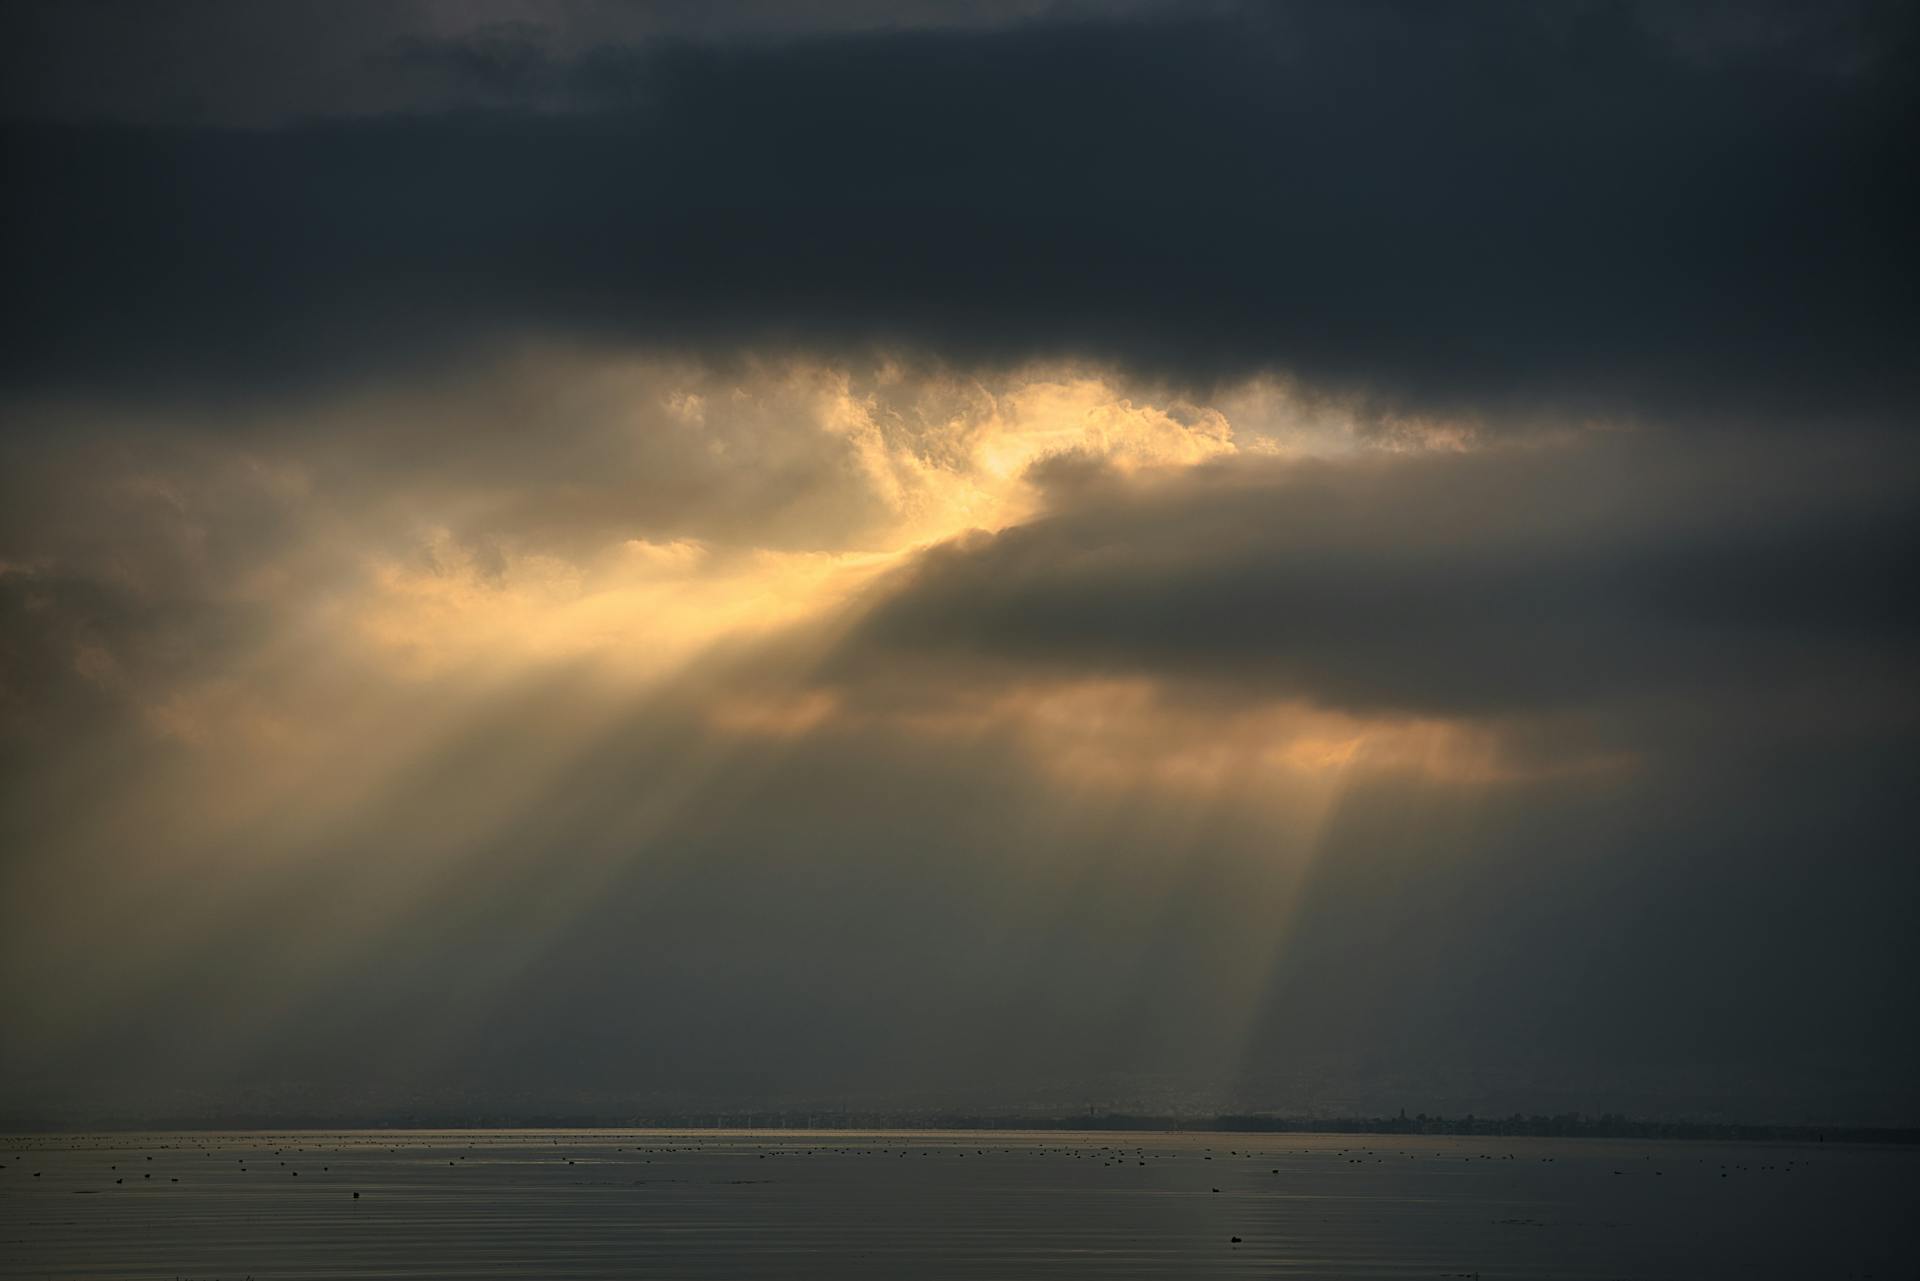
{"type": "Point", "coordinates": [937, 1205]}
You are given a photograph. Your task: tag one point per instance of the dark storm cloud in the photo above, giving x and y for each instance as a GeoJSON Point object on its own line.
{"type": "Point", "coordinates": [1477, 211]}
{"type": "Point", "coordinates": [1477, 584]}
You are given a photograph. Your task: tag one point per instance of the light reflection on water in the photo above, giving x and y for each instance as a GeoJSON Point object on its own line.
{"type": "Point", "coordinates": [604, 1203]}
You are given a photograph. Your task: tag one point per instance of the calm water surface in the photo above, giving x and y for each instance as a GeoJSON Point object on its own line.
{"type": "Point", "coordinates": [603, 1204]}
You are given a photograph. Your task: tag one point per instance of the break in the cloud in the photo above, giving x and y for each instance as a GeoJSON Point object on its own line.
{"type": "Point", "coordinates": [943, 730]}
{"type": "Point", "coordinates": [572, 556]}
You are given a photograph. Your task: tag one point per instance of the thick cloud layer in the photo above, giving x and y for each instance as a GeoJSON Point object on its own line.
{"type": "Point", "coordinates": [1480, 211]}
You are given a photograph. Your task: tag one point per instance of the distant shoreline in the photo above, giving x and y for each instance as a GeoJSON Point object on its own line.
{"type": "Point", "coordinates": [1516, 1126]}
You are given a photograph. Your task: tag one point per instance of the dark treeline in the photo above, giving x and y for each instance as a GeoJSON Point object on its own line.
{"type": "Point", "coordinates": [1563, 1125]}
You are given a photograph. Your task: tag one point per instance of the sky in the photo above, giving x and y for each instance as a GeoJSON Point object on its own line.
{"type": "Point", "coordinates": [628, 559]}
